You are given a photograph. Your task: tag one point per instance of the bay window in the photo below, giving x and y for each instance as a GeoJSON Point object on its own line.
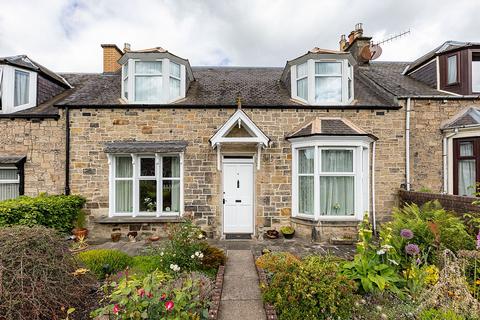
{"type": "Point", "coordinates": [148, 81]}
{"type": "Point", "coordinates": [466, 163]}
{"type": "Point", "coordinates": [330, 179]}
{"type": "Point", "coordinates": [145, 185]}
{"type": "Point", "coordinates": [9, 183]}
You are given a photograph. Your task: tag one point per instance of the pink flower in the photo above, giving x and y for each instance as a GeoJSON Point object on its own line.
{"type": "Point", "coordinates": [116, 309]}
{"type": "Point", "coordinates": [169, 305]}
{"type": "Point", "coordinates": [412, 249]}
{"type": "Point", "coordinates": [406, 234]}
{"type": "Point", "coordinates": [149, 295]}
{"type": "Point", "coordinates": [478, 240]}
{"type": "Point", "coordinates": [141, 292]}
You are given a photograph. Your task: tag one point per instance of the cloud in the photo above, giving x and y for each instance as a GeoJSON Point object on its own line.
{"type": "Point", "coordinates": [65, 35]}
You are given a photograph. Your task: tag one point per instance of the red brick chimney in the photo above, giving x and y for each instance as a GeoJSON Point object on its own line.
{"type": "Point", "coordinates": [111, 55]}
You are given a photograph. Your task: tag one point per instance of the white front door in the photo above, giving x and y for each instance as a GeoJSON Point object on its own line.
{"type": "Point", "coordinates": [237, 197]}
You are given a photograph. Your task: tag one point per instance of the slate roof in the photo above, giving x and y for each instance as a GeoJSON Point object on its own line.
{"type": "Point", "coordinates": [445, 47]}
{"type": "Point", "coordinates": [25, 62]}
{"type": "Point", "coordinates": [467, 117]}
{"type": "Point", "coordinates": [256, 86]}
{"type": "Point", "coordinates": [326, 126]}
{"type": "Point", "coordinates": [12, 159]}
{"type": "Point", "coordinates": [145, 146]}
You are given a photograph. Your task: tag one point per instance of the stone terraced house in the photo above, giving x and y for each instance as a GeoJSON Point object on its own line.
{"type": "Point", "coordinates": [315, 144]}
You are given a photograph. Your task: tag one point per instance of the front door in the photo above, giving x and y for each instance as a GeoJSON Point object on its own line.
{"type": "Point", "coordinates": [237, 196]}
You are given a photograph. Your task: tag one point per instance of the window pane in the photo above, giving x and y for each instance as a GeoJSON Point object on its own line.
{"type": "Point", "coordinates": [328, 89]}
{"type": "Point", "coordinates": [8, 174]}
{"type": "Point", "coordinates": [9, 191]}
{"type": "Point", "coordinates": [337, 196]}
{"type": "Point", "coordinates": [302, 70]}
{"type": "Point", "coordinates": [452, 69]}
{"type": "Point", "coordinates": [305, 195]}
{"type": "Point", "coordinates": [328, 68]}
{"type": "Point", "coordinates": [148, 196]}
{"type": "Point", "coordinates": [171, 196]}
{"type": "Point", "coordinates": [466, 177]}
{"type": "Point", "coordinates": [125, 70]}
{"type": "Point", "coordinates": [174, 88]}
{"type": "Point", "coordinates": [175, 69]}
{"type": "Point", "coordinates": [337, 161]}
{"type": "Point", "coordinates": [148, 88]}
{"type": "Point", "coordinates": [476, 76]}
{"type": "Point", "coordinates": [123, 196]}
{"type": "Point", "coordinates": [147, 167]}
{"type": "Point", "coordinates": [22, 83]}
{"type": "Point", "coordinates": [148, 67]}
{"type": "Point", "coordinates": [466, 149]}
{"type": "Point", "coordinates": [123, 167]}
{"type": "Point", "coordinates": [306, 160]}
{"type": "Point", "coordinates": [171, 167]}
{"type": "Point", "coordinates": [302, 88]}
{"type": "Point", "coordinates": [125, 88]}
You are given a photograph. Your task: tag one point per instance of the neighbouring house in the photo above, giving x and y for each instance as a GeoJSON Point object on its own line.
{"type": "Point", "coordinates": [315, 144]}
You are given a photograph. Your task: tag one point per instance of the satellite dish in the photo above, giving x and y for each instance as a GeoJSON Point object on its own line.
{"type": "Point", "coordinates": [371, 52]}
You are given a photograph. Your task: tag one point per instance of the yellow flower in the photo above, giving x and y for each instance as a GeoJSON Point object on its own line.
{"type": "Point", "coordinates": [477, 282]}
{"type": "Point", "coordinates": [80, 271]}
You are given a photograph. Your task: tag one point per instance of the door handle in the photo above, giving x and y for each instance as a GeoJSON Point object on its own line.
{"type": "Point", "coordinates": [238, 201]}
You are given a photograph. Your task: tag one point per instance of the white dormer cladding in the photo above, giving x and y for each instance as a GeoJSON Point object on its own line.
{"type": "Point", "coordinates": [321, 78]}
{"type": "Point", "coordinates": [154, 78]}
{"type": "Point", "coordinates": [18, 89]}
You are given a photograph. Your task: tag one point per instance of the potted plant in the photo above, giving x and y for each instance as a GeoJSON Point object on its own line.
{"type": "Point", "coordinates": [287, 232]}
{"type": "Point", "coordinates": [80, 222]}
{"type": "Point", "coordinates": [272, 234]}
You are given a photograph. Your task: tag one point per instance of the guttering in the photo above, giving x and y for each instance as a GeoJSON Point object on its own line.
{"type": "Point", "coordinates": [225, 106]}
{"type": "Point", "coordinates": [436, 97]}
{"type": "Point", "coordinates": [407, 145]}
{"type": "Point", "coordinates": [67, 151]}
{"type": "Point", "coordinates": [445, 159]}
{"type": "Point", "coordinates": [13, 116]}
{"type": "Point", "coordinates": [374, 218]}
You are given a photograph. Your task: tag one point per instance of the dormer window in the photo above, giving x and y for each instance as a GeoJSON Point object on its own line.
{"type": "Point", "coordinates": [323, 82]}
{"type": "Point", "coordinates": [18, 89]}
{"type": "Point", "coordinates": [148, 81]}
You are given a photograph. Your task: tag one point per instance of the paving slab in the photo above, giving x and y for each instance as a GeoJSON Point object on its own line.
{"type": "Point", "coordinates": [244, 310]}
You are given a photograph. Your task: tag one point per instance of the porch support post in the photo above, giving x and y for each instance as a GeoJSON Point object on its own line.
{"type": "Point", "coordinates": [219, 158]}
{"type": "Point", "coordinates": [259, 155]}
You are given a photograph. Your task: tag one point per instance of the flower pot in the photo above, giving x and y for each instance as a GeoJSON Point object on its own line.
{"type": "Point", "coordinates": [154, 238]}
{"type": "Point", "coordinates": [272, 234]}
{"type": "Point", "coordinates": [80, 232]}
{"type": "Point", "coordinates": [116, 236]}
{"type": "Point", "coordinates": [288, 235]}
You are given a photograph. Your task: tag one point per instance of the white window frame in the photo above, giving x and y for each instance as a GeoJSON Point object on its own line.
{"type": "Point", "coordinates": [347, 74]}
{"type": "Point", "coordinates": [361, 172]}
{"type": "Point", "coordinates": [165, 74]}
{"type": "Point", "coordinates": [475, 86]}
{"type": "Point", "coordinates": [301, 78]}
{"type": "Point", "coordinates": [136, 185]}
{"type": "Point", "coordinates": [125, 73]}
{"type": "Point", "coordinates": [11, 181]}
{"type": "Point", "coordinates": [8, 89]}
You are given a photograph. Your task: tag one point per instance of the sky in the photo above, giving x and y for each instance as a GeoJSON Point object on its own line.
{"type": "Point", "coordinates": [65, 35]}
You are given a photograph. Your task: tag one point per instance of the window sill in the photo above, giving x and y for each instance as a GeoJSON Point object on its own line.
{"type": "Point", "coordinates": [350, 221]}
{"type": "Point", "coordinates": [122, 220]}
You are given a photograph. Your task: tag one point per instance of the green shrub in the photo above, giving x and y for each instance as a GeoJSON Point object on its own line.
{"type": "Point", "coordinates": [278, 262]}
{"type": "Point", "coordinates": [103, 262]}
{"type": "Point", "coordinates": [433, 227]}
{"type": "Point", "coordinates": [435, 314]}
{"type": "Point", "coordinates": [315, 290]}
{"type": "Point", "coordinates": [38, 275]}
{"type": "Point", "coordinates": [142, 265]}
{"type": "Point", "coordinates": [213, 257]}
{"type": "Point", "coordinates": [58, 211]}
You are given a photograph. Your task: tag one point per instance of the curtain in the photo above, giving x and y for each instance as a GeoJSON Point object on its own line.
{"type": "Point", "coordinates": [175, 69]}
{"type": "Point", "coordinates": [148, 67]}
{"type": "Point", "coordinates": [305, 160]}
{"type": "Point", "coordinates": [466, 149]}
{"type": "Point", "coordinates": [337, 192]}
{"type": "Point", "coordinates": [466, 177]}
{"type": "Point", "coordinates": [475, 76]}
{"type": "Point", "coordinates": [327, 68]}
{"type": "Point", "coordinates": [452, 69]}
{"type": "Point", "coordinates": [171, 167]}
{"type": "Point", "coordinates": [174, 88]}
{"type": "Point", "coordinates": [125, 88]}
{"type": "Point", "coordinates": [148, 88]}
{"type": "Point", "coordinates": [305, 195]}
{"type": "Point", "coordinates": [302, 88]}
{"type": "Point", "coordinates": [8, 190]}
{"type": "Point", "coordinates": [328, 89]}
{"type": "Point", "coordinates": [123, 188]}
{"type": "Point", "coordinates": [21, 93]}
{"type": "Point", "coordinates": [171, 196]}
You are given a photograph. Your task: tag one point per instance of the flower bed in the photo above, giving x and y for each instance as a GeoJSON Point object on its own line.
{"type": "Point", "coordinates": [269, 309]}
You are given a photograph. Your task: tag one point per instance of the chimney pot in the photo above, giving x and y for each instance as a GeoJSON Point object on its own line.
{"type": "Point", "coordinates": [358, 32]}
{"type": "Point", "coordinates": [126, 47]}
{"type": "Point", "coordinates": [343, 42]}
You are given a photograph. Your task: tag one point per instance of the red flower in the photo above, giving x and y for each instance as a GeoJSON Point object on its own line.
{"type": "Point", "coordinates": [149, 295]}
{"type": "Point", "coordinates": [169, 305]}
{"type": "Point", "coordinates": [163, 296]}
{"type": "Point", "coordinates": [116, 309]}
{"type": "Point", "coordinates": [141, 292]}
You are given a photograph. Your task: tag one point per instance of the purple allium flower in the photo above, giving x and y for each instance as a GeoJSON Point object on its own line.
{"type": "Point", "coordinates": [406, 234]}
{"type": "Point", "coordinates": [478, 240]}
{"type": "Point", "coordinates": [412, 249]}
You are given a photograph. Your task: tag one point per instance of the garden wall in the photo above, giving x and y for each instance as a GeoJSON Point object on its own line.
{"type": "Point", "coordinates": [450, 202]}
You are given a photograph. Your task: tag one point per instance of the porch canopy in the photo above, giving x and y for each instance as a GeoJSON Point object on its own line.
{"type": "Point", "coordinates": [239, 129]}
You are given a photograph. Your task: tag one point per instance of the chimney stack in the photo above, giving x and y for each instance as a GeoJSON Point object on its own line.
{"type": "Point", "coordinates": [356, 42]}
{"type": "Point", "coordinates": [111, 55]}
{"type": "Point", "coordinates": [126, 47]}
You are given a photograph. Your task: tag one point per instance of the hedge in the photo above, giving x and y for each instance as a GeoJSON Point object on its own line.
{"type": "Point", "coordinates": [55, 211]}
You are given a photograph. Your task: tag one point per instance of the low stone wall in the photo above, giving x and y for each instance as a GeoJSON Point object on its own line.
{"type": "Point", "coordinates": [217, 294]}
{"type": "Point", "coordinates": [458, 204]}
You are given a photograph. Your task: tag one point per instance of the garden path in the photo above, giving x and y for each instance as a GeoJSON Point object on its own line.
{"type": "Point", "coordinates": [241, 297]}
